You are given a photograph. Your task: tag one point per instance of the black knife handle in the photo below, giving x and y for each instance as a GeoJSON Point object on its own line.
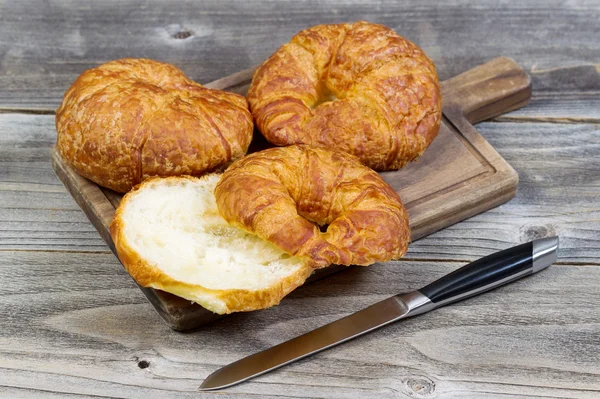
{"type": "Point", "coordinates": [492, 271]}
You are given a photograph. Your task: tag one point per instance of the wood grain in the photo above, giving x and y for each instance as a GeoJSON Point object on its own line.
{"type": "Point", "coordinates": [42, 56]}
{"type": "Point", "coordinates": [93, 332]}
{"type": "Point", "coordinates": [73, 324]}
{"type": "Point", "coordinates": [562, 94]}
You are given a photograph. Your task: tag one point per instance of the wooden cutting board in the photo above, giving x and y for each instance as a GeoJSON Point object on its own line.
{"type": "Point", "coordinates": [460, 174]}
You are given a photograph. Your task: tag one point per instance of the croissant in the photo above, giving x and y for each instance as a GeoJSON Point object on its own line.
{"type": "Point", "coordinates": [130, 119]}
{"type": "Point", "coordinates": [356, 87]}
{"type": "Point", "coordinates": [287, 195]}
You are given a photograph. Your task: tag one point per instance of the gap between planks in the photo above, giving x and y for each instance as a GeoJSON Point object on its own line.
{"type": "Point", "coordinates": [65, 251]}
{"type": "Point", "coordinates": [499, 119]}
{"type": "Point", "coordinates": [406, 259]}
{"type": "Point", "coordinates": [544, 119]}
{"type": "Point", "coordinates": [20, 388]}
{"type": "Point", "coordinates": [27, 111]}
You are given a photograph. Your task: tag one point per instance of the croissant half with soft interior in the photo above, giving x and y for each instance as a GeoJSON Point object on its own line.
{"type": "Point", "coordinates": [130, 119]}
{"type": "Point", "coordinates": [356, 87]}
{"type": "Point", "coordinates": [169, 235]}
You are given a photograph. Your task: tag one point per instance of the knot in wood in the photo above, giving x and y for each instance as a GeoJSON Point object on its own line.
{"type": "Point", "coordinates": [179, 32]}
{"type": "Point", "coordinates": [534, 232]}
{"type": "Point", "coordinates": [420, 387]}
{"type": "Point", "coordinates": [143, 364]}
{"type": "Point", "coordinates": [184, 34]}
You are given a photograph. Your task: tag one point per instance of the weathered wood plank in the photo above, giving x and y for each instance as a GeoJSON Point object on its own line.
{"type": "Point", "coordinates": [563, 94]}
{"type": "Point", "coordinates": [558, 109]}
{"type": "Point", "coordinates": [76, 323]}
{"type": "Point", "coordinates": [45, 46]}
{"type": "Point", "coordinates": [558, 191]}
{"type": "Point", "coordinates": [558, 194]}
{"type": "Point", "coordinates": [36, 212]}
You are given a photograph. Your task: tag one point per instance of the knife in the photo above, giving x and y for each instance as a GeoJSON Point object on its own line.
{"type": "Point", "coordinates": [475, 278]}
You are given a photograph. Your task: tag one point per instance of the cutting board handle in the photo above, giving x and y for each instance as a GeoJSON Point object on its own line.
{"type": "Point", "coordinates": [486, 91]}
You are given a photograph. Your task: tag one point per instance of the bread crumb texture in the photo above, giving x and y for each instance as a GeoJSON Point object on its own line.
{"type": "Point", "coordinates": [170, 236]}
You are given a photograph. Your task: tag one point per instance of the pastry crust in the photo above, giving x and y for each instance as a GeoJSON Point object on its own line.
{"type": "Point", "coordinates": [359, 88]}
{"type": "Point", "coordinates": [284, 194]}
{"type": "Point", "coordinates": [221, 301]}
{"type": "Point", "coordinates": [130, 119]}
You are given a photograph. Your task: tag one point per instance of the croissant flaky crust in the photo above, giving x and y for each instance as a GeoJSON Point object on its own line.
{"type": "Point", "coordinates": [130, 119]}
{"type": "Point", "coordinates": [284, 194]}
{"type": "Point", "coordinates": [359, 88]}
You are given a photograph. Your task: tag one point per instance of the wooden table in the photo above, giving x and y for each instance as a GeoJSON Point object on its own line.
{"type": "Point", "coordinates": [73, 323]}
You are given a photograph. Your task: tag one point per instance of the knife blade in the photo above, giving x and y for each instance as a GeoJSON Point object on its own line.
{"type": "Point", "coordinates": [477, 277]}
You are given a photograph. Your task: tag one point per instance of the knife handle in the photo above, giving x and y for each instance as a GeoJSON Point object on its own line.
{"type": "Point", "coordinates": [492, 271]}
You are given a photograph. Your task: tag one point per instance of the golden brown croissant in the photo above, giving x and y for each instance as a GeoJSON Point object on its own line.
{"type": "Point", "coordinates": [359, 88]}
{"type": "Point", "coordinates": [284, 194]}
{"type": "Point", "coordinates": [133, 118]}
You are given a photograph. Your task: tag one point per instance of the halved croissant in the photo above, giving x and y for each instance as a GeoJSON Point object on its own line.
{"type": "Point", "coordinates": [169, 236]}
